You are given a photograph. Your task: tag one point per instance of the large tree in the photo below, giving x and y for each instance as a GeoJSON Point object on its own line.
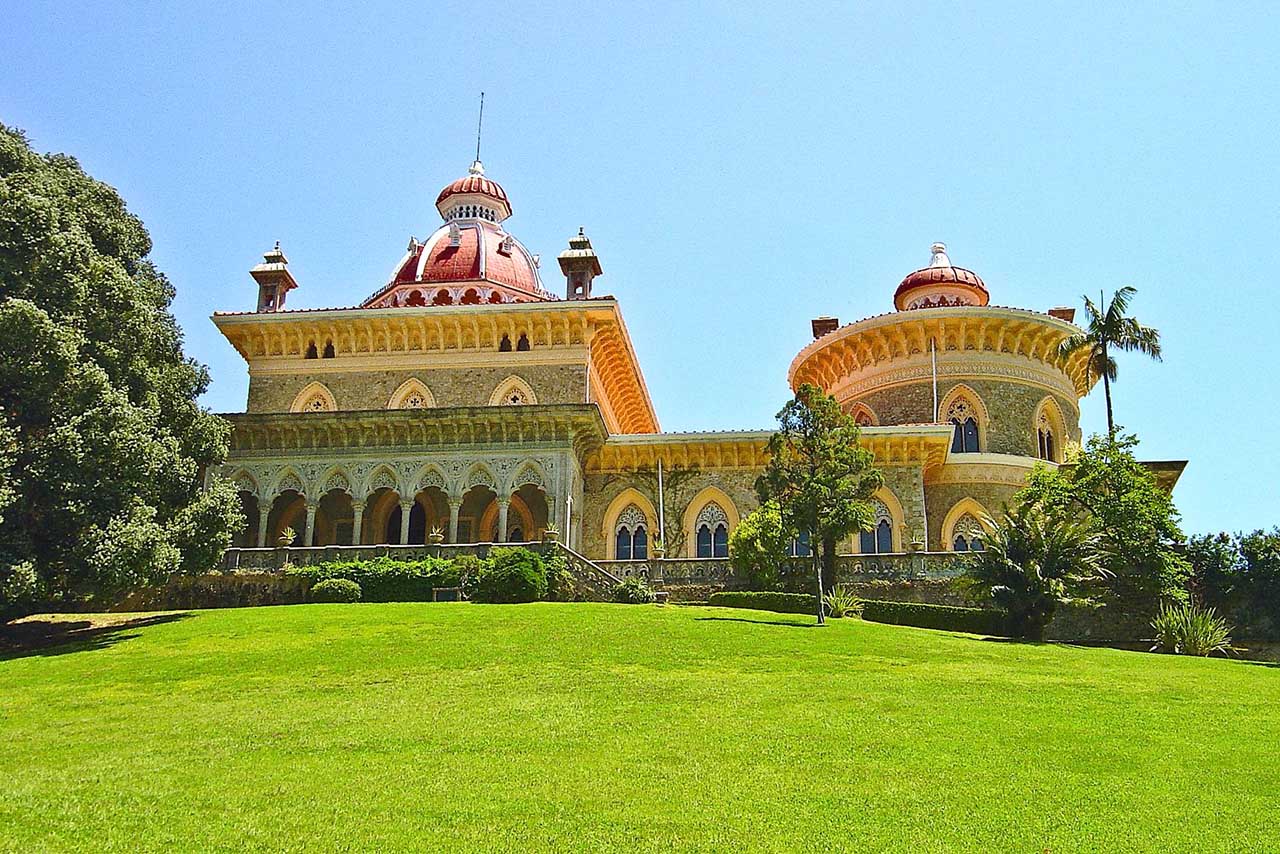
{"type": "Point", "coordinates": [818, 475]}
{"type": "Point", "coordinates": [1108, 331]}
{"type": "Point", "coordinates": [1135, 518]}
{"type": "Point", "coordinates": [102, 443]}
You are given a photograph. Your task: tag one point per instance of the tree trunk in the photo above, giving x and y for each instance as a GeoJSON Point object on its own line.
{"type": "Point", "coordinates": [829, 563]}
{"type": "Point", "coordinates": [817, 569]}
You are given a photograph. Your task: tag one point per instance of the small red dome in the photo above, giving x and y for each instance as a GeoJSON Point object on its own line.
{"type": "Point", "coordinates": [486, 197]}
{"type": "Point", "coordinates": [940, 284]}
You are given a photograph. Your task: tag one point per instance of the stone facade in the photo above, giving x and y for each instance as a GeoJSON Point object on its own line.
{"type": "Point", "coordinates": [470, 386]}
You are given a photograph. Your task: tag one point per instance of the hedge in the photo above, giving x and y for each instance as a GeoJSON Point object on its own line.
{"type": "Point", "coordinates": [782, 603]}
{"type": "Point", "coordinates": [980, 621]}
{"type": "Point", "coordinates": [385, 579]}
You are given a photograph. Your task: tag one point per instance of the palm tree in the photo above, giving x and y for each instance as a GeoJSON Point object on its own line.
{"type": "Point", "coordinates": [1032, 560]}
{"type": "Point", "coordinates": [1107, 331]}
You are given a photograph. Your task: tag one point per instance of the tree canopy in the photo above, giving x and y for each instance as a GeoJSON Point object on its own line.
{"type": "Point", "coordinates": [818, 475]}
{"type": "Point", "coordinates": [103, 445]}
{"type": "Point", "coordinates": [1136, 521]}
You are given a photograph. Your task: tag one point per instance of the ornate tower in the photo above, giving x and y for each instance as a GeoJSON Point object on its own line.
{"type": "Point", "coordinates": [580, 266]}
{"type": "Point", "coordinates": [274, 280]}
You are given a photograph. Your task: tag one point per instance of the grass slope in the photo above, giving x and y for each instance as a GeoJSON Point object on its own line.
{"type": "Point", "coordinates": [598, 727]}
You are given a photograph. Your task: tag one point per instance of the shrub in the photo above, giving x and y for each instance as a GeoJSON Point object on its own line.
{"type": "Point", "coordinates": [385, 579]}
{"type": "Point", "coordinates": [758, 547]}
{"type": "Point", "coordinates": [1185, 629]}
{"type": "Point", "coordinates": [978, 621]}
{"type": "Point", "coordinates": [841, 602]}
{"type": "Point", "coordinates": [633, 590]}
{"type": "Point", "coordinates": [512, 575]}
{"type": "Point", "coordinates": [782, 603]}
{"type": "Point", "coordinates": [336, 590]}
{"type": "Point", "coordinates": [561, 584]}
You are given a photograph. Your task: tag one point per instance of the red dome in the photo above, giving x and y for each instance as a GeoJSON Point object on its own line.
{"type": "Point", "coordinates": [940, 284]}
{"type": "Point", "coordinates": [474, 196]}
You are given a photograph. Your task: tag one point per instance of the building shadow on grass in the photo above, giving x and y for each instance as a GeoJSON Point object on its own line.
{"type": "Point", "coordinates": [759, 622]}
{"type": "Point", "coordinates": [60, 637]}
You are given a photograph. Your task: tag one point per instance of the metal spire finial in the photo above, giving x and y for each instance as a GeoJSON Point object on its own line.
{"type": "Point", "coordinates": [479, 127]}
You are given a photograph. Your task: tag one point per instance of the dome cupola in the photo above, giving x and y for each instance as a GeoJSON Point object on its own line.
{"type": "Point", "coordinates": [940, 284]}
{"type": "Point", "coordinates": [474, 197]}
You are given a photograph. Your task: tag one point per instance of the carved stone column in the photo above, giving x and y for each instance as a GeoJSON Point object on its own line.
{"type": "Point", "coordinates": [454, 507]}
{"type": "Point", "coordinates": [309, 539]}
{"type": "Point", "coordinates": [406, 507]}
{"type": "Point", "coordinates": [503, 503]}
{"type": "Point", "coordinates": [357, 518]}
{"type": "Point", "coordinates": [264, 516]}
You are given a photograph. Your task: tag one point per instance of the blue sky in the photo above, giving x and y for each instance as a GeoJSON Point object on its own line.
{"type": "Point", "coordinates": [739, 170]}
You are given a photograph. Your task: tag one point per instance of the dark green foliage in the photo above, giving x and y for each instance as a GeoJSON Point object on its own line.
{"type": "Point", "coordinates": [978, 621]}
{"type": "Point", "coordinates": [1033, 559]}
{"type": "Point", "coordinates": [102, 443]}
{"type": "Point", "coordinates": [561, 584]}
{"type": "Point", "coordinates": [1187, 629]}
{"type": "Point", "coordinates": [633, 590]}
{"type": "Point", "coordinates": [512, 575]}
{"type": "Point", "coordinates": [981, 621]}
{"type": "Point", "coordinates": [782, 603]}
{"type": "Point", "coordinates": [336, 590]}
{"type": "Point", "coordinates": [385, 579]}
{"type": "Point", "coordinates": [758, 546]}
{"type": "Point", "coordinates": [1240, 576]}
{"type": "Point", "coordinates": [1135, 518]}
{"type": "Point", "coordinates": [818, 476]}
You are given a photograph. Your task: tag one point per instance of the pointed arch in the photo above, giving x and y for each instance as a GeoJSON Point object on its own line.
{"type": "Point", "coordinates": [889, 509]}
{"type": "Point", "coordinates": [531, 473]}
{"type": "Point", "coordinates": [382, 477]}
{"type": "Point", "coordinates": [314, 397]}
{"type": "Point", "coordinates": [1049, 430]}
{"type": "Point", "coordinates": [513, 391]}
{"type": "Point", "coordinates": [960, 405]}
{"type": "Point", "coordinates": [431, 475]}
{"type": "Point", "coordinates": [624, 499]}
{"type": "Point", "coordinates": [412, 394]}
{"type": "Point", "coordinates": [863, 414]}
{"type": "Point", "coordinates": [479, 475]}
{"type": "Point", "coordinates": [337, 478]}
{"type": "Point", "coordinates": [245, 482]}
{"type": "Point", "coordinates": [965, 509]}
{"type": "Point", "coordinates": [289, 480]}
{"type": "Point", "coordinates": [711, 495]}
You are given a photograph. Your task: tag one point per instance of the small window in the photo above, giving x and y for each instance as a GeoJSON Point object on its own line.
{"type": "Point", "coordinates": [416, 298]}
{"type": "Point", "coordinates": [311, 351]}
{"type": "Point", "coordinates": [328, 350]}
{"type": "Point", "coordinates": [800, 546]}
{"type": "Point", "coordinates": [522, 344]}
{"type": "Point", "coordinates": [471, 297]}
{"type": "Point", "coordinates": [504, 346]}
{"type": "Point", "coordinates": [442, 297]}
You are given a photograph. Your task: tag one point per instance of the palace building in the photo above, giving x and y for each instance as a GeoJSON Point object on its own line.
{"type": "Point", "coordinates": [469, 399]}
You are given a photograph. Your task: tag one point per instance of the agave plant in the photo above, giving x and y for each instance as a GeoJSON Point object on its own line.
{"type": "Point", "coordinates": [1189, 630]}
{"type": "Point", "coordinates": [1034, 559]}
{"type": "Point", "coordinates": [840, 602]}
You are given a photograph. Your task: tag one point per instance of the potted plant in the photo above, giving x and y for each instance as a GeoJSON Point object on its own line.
{"type": "Point", "coordinates": [436, 536]}
{"type": "Point", "coordinates": [659, 549]}
{"type": "Point", "coordinates": [550, 534]}
{"type": "Point", "coordinates": [287, 536]}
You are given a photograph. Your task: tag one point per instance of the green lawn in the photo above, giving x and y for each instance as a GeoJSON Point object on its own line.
{"type": "Point", "coordinates": [610, 727]}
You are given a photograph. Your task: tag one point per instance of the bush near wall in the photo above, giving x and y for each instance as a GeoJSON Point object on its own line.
{"type": "Point", "coordinates": [217, 590]}
{"type": "Point", "coordinates": [385, 579]}
{"type": "Point", "coordinates": [980, 621]}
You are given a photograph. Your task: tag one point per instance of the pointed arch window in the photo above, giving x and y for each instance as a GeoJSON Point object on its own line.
{"type": "Point", "coordinates": [328, 350]}
{"type": "Point", "coordinates": [878, 540]}
{"type": "Point", "coordinates": [968, 535]}
{"type": "Point", "coordinates": [711, 530]}
{"type": "Point", "coordinates": [522, 345]}
{"type": "Point", "coordinates": [1044, 435]}
{"type": "Point", "coordinates": [631, 535]}
{"type": "Point", "coordinates": [311, 353]}
{"type": "Point", "coordinates": [964, 420]}
{"type": "Point", "coordinates": [504, 346]}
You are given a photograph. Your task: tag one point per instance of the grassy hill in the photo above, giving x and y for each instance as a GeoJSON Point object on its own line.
{"type": "Point", "coordinates": [608, 727]}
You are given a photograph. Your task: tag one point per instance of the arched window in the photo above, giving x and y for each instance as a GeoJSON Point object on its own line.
{"type": "Point", "coordinates": [513, 391]}
{"type": "Point", "coordinates": [470, 297]}
{"type": "Point", "coordinates": [328, 350]}
{"type": "Point", "coordinates": [416, 298]}
{"type": "Point", "coordinates": [964, 419]}
{"type": "Point", "coordinates": [495, 297]}
{"type": "Point", "coordinates": [1044, 436]}
{"type": "Point", "coordinates": [712, 531]}
{"type": "Point", "coordinates": [315, 397]}
{"type": "Point", "coordinates": [516, 535]}
{"type": "Point", "coordinates": [879, 540]}
{"type": "Point", "coordinates": [523, 344]}
{"type": "Point", "coordinates": [799, 546]}
{"type": "Point", "coordinates": [968, 535]}
{"type": "Point", "coordinates": [631, 538]}
{"type": "Point", "coordinates": [311, 351]}
{"type": "Point", "coordinates": [442, 297]}
{"type": "Point", "coordinates": [504, 346]}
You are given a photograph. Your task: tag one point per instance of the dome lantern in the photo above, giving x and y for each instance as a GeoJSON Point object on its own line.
{"type": "Point", "coordinates": [940, 284]}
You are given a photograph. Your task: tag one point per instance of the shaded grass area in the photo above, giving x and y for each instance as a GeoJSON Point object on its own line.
{"type": "Point", "coordinates": [609, 727]}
